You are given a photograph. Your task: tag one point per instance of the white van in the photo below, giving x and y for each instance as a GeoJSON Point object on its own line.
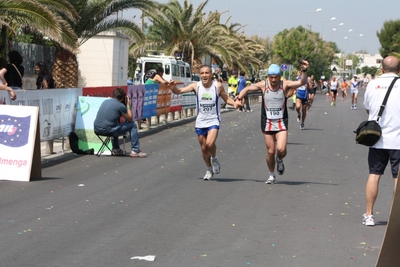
{"type": "Point", "coordinates": [174, 68]}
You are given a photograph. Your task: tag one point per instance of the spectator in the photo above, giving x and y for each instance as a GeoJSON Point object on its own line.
{"type": "Point", "coordinates": [233, 83]}
{"type": "Point", "coordinates": [45, 79]}
{"type": "Point", "coordinates": [3, 65]}
{"type": "Point", "coordinates": [388, 147]}
{"type": "Point", "coordinates": [217, 75]}
{"type": "Point", "coordinates": [224, 74]}
{"type": "Point", "coordinates": [108, 118]}
{"type": "Point", "coordinates": [156, 77]}
{"type": "Point", "coordinates": [242, 83]}
{"type": "Point", "coordinates": [14, 71]}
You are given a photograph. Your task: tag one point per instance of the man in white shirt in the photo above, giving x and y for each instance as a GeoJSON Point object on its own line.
{"type": "Point", "coordinates": [388, 147]}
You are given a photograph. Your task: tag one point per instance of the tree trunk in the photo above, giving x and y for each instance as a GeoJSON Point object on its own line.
{"type": "Point", "coordinates": [65, 69]}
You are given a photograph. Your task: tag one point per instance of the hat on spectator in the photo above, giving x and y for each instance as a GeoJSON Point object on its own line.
{"type": "Point", "coordinates": [274, 70]}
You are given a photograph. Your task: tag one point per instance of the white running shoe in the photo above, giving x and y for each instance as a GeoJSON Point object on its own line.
{"type": "Point", "coordinates": [271, 179]}
{"type": "Point", "coordinates": [368, 220]}
{"type": "Point", "coordinates": [208, 176]}
{"type": "Point", "coordinates": [298, 117]}
{"type": "Point", "coordinates": [355, 106]}
{"type": "Point", "coordinates": [216, 167]}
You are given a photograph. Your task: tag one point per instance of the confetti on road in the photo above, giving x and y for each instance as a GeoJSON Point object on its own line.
{"type": "Point", "coordinates": [146, 258]}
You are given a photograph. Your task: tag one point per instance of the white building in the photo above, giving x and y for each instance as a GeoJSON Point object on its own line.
{"type": "Point", "coordinates": [103, 60]}
{"type": "Point", "coordinates": [349, 68]}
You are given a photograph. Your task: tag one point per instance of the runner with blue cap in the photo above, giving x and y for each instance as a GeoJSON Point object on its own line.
{"type": "Point", "coordinates": [274, 115]}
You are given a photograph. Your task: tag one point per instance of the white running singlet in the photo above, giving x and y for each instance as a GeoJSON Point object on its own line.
{"type": "Point", "coordinates": [208, 106]}
{"type": "Point", "coordinates": [354, 87]}
{"type": "Point", "coordinates": [274, 116]}
{"type": "Point", "coordinates": [334, 85]}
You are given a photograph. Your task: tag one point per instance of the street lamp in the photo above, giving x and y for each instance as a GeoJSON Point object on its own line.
{"type": "Point", "coordinates": [322, 32]}
{"type": "Point", "coordinates": [306, 13]}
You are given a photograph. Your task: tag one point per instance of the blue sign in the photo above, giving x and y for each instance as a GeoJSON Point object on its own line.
{"type": "Point", "coordinates": [284, 67]}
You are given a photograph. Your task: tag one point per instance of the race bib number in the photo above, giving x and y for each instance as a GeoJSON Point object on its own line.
{"type": "Point", "coordinates": [274, 113]}
{"type": "Point", "coordinates": [207, 108]}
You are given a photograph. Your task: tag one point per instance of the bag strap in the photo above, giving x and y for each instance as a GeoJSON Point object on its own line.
{"type": "Point", "coordinates": [17, 71]}
{"type": "Point", "coordinates": [386, 98]}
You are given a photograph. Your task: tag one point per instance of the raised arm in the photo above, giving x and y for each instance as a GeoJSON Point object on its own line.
{"type": "Point", "coordinates": [254, 87]}
{"type": "Point", "coordinates": [191, 87]}
{"type": "Point", "coordinates": [159, 79]}
{"type": "Point", "coordinates": [290, 86]}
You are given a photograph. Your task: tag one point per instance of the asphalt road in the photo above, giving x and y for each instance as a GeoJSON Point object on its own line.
{"type": "Point", "coordinates": [90, 211]}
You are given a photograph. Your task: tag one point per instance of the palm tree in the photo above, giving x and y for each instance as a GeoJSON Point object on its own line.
{"type": "Point", "coordinates": [95, 17]}
{"type": "Point", "coordinates": [178, 29]}
{"type": "Point", "coordinates": [37, 14]}
{"type": "Point", "coordinates": [181, 29]}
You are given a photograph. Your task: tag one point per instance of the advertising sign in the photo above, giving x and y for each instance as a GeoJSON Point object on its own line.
{"type": "Point", "coordinates": [19, 143]}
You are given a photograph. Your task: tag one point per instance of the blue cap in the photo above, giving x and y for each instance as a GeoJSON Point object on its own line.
{"type": "Point", "coordinates": [274, 70]}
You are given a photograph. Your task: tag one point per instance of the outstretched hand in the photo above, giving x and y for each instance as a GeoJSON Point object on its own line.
{"type": "Point", "coordinates": [238, 104]}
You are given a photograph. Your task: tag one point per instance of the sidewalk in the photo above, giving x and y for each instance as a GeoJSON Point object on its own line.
{"type": "Point", "coordinates": [61, 147]}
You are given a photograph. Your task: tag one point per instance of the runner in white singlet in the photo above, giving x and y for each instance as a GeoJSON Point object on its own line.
{"type": "Point", "coordinates": [354, 85]}
{"type": "Point", "coordinates": [274, 116]}
{"type": "Point", "coordinates": [334, 85]}
{"type": "Point", "coordinates": [208, 102]}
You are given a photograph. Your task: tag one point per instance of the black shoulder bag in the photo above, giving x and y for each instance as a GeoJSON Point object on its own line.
{"type": "Point", "coordinates": [368, 133]}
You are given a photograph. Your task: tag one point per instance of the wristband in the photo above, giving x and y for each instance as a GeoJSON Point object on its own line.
{"type": "Point", "coordinates": [129, 108]}
{"type": "Point", "coordinates": [238, 98]}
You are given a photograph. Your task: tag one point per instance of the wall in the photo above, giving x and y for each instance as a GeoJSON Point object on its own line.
{"type": "Point", "coordinates": [103, 60]}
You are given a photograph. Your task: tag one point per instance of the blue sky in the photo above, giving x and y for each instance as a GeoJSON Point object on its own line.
{"type": "Point", "coordinates": [267, 18]}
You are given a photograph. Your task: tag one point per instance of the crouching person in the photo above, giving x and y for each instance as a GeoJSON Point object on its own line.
{"type": "Point", "coordinates": [108, 122]}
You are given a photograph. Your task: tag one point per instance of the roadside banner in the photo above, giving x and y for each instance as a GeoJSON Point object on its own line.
{"type": "Point", "coordinates": [86, 114]}
{"type": "Point", "coordinates": [19, 143]}
{"type": "Point", "coordinates": [57, 109]}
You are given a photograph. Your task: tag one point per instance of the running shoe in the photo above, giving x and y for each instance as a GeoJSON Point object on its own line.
{"type": "Point", "coordinates": [298, 117]}
{"type": "Point", "coordinates": [139, 154]}
{"type": "Point", "coordinates": [368, 220]}
{"type": "Point", "coordinates": [355, 106]}
{"type": "Point", "coordinates": [271, 179]}
{"type": "Point", "coordinates": [208, 176]}
{"type": "Point", "coordinates": [302, 126]}
{"type": "Point", "coordinates": [280, 167]}
{"type": "Point", "coordinates": [332, 104]}
{"type": "Point", "coordinates": [216, 167]}
{"type": "Point", "coordinates": [352, 106]}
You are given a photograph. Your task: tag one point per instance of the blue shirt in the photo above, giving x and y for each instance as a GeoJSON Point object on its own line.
{"type": "Point", "coordinates": [302, 91]}
{"type": "Point", "coordinates": [241, 83]}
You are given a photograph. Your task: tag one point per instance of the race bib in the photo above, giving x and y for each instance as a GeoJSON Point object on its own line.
{"type": "Point", "coordinates": [207, 108]}
{"type": "Point", "coordinates": [274, 113]}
